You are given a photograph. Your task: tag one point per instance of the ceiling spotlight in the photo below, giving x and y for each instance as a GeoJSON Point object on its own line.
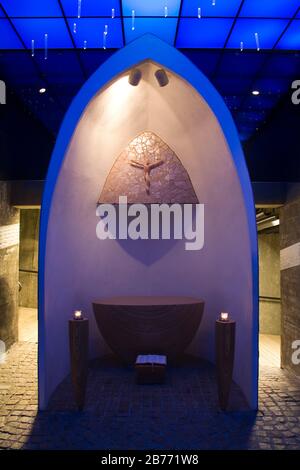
{"type": "Point", "coordinates": [161, 77]}
{"type": "Point", "coordinates": [42, 90]}
{"type": "Point", "coordinates": [135, 77]}
{"type": "Point", "coordinates": [255, 92]}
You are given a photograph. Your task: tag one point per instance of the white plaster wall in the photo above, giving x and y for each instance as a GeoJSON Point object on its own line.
{"type": "Point", "coordinates": [80, 268]}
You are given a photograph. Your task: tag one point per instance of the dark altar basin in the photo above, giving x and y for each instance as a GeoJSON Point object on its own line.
{"type": "Point", "coordinates": [148, 325]}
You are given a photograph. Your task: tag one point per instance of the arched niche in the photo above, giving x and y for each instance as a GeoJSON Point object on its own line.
{"type": "Point", "coordinates": [76, 267]}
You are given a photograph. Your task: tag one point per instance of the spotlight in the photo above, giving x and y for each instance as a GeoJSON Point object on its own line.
{"type": "Point", "coordinates": [42, 90]}
{"type": "Point", "coordinates": [255, 92]}
{"type": "Point", "coordinates": [161, 77]}
{"type": "Point", "coordinates": [135, 77]}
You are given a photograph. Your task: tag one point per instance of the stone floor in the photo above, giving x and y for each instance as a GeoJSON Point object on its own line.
{"type": "Point", "coordinates": [181, 414]}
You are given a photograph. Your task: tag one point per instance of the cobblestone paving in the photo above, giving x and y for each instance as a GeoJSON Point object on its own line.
{"type": "Point", "coordinates": [181, 414]}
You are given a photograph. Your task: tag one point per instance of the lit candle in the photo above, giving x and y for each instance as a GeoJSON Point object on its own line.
{"type": "Point", "coordinates": [224, 316]}
{"type": "Point", "coordinates": [78, 315]}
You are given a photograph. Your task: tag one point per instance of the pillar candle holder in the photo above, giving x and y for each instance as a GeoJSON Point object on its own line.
{"type": "Point", "coordinates": [225, 345]}
{"type": "Point", "coordinates": [78, 339]}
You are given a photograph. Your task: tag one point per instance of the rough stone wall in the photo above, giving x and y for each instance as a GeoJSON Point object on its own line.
{"type": "Point", "coordinates": [9, 267]}
{"type": "Point", "coordinates": [29, 239]}
{"type": "Point", "coordinates": [269, 283]}
{"type": "Point", "coordinates": [290, 277]}
{"type": "Point", "coordinates": [168, 183]}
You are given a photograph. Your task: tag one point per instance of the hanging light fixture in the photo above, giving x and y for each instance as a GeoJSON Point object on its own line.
{"type": "Point", "coordinates": [112, 13]}
{"type": "Point", "coordinates": [166, 10]}
{"type": "Point", "coordinates": [241, 46]}
{"type": "Point", "coordinates": [85, 44]}
{"type": "Point", "coordinates": [132, 20]}
{"type": "Point", "coordinates": [105, 33]}
{"type": "Point", "coordinates": [32, 47]}
{"type": "Point", "coordinates": [199, 12]}
{"type": "Point", "coordinates": [135, 77]}
{"type": "Point", "coordinates": [46, 46]}
{"type": "Point", "coordinates": [79, 9]}
{"type": "Point", "coordinates": [257, 42]}
{"type": "Point", "coordinates": [161, 77]}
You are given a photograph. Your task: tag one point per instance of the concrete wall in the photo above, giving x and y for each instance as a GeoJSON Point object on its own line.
{"type": "Point", "coordinates": [9, 267]}
{"type": "Point", "coordinates": [80, 268]}
{"type": "Point", "coordinates": [269, 283]}
{"type": "Point", "coordinates": [29, 240]}
{"type": "Point", "coordinates": [290, 276]}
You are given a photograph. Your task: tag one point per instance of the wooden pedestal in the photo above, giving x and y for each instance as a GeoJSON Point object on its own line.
{"type": "Point", "coordinates": [78, 336]}
{"type": "Point", "coordinates": [225, 344]}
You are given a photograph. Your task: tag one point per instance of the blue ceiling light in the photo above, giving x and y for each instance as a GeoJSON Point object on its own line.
{"type": "Point", "coordinates": [221, 8]}
{"type": "Point", "coordinates": [151, 8]}
{"type": "Point", "coordinates": [91, 30]}
{"type": "Point", "coordinates": [31, 8]}
{"type": "Point", "coordinates": [270, 8]}
{"type": "Point", "coordinates": [91, 7]}
{"type": "Point", "coordinates": [268, 32]}
{"type": "Point", "coordinates": [36, 29]}
{"type": "Point", "coordinates": [291, 38]}
{"type": "Point", "coordinates": [164, 28]}
{"type": "Point", "coordinates": [204, 33]}
{"type": "Point", "coordinates": [8, 38]}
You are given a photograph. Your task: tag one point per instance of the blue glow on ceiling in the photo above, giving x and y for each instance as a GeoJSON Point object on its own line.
{"type": "Point", "coordinates": [151, 7]}
{"type": "Point", "coordinates": [164, 28]}
{"type": "Point", "coordinates": [32, 8]}
{"type": "Point", "coordinates": [211, 42]}
{"type": "Point", "coordinates": [91, 7]}
{"type": "Point", "coordinates": [91, 30]}
{"type": "Point", "coordinates": [270, 8]}
{"type": "Point", "coordinates": [291, 38]}
{"type": "Point", "coordinates": [221, 7]}
{"type": "Point", "coordinates": [268, 32]}
{"type": "Point", "coordinates": [204, 33]}
{"type": "Point", "coordinates": [8, 38]}
{"type": "Point", "coordinates": [181, 28]}
{"type": "Point", "coordinates": [36, 29]}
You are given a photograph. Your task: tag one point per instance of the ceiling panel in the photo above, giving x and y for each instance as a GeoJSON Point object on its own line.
{"type": "Point", "coordinates": [35, 29]}
{"type": "Point", "coordinates": [270, 8]}
{"type": "Point", "coordinates": [210, 8]}
{"type": "Point", "coordinates": [151, 8]}
{"type": "Point", "coordinates": [92, 31]}
{"type": "Point", "coordinates": [245, 29]}
{"type": "Point", "coordinates": [91, 7]}
{"type": "Point", "coordinates": [164, 28]}
{"type": "Point", "coordinates": [203, 33]}
{"type": "Point", "coordinates": [32, 8]}
{"type": "Point", "coordinates": [8, 37]}
{"type": "Point", "coordinates": [291, 38]}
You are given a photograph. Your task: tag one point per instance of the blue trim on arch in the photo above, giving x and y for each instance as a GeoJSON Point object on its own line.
{"type": "Point", "coordinates": [147, 47]}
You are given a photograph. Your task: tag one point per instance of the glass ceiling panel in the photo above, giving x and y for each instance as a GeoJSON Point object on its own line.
{"type": "Point", "coordinates": [204, 32]}
{"type": "Point", "coordinates": [164, 28]}
{"type": "Point", "coordinates": [209, 8]}
{"type": "Point", "coordinates": [32, 8]}
{"type": "Point", "coordinates": [268, 31]}
{"type": "Point", "coordinates": [151, 7]}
